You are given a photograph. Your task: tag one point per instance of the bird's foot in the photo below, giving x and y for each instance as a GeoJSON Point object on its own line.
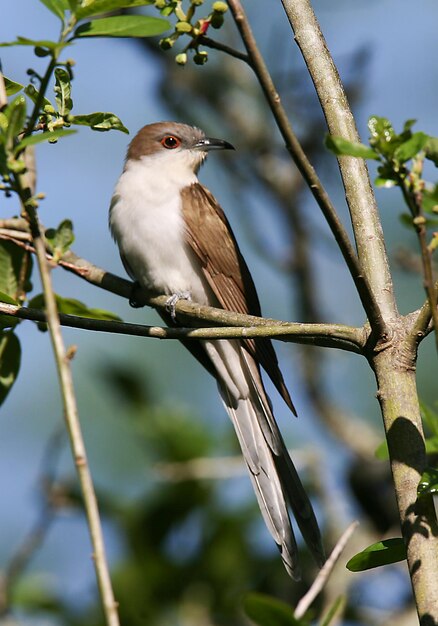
{"type": "Point", "coordinates": [173, 299]}
{"type": "Point", "coordinates": [134, 298]}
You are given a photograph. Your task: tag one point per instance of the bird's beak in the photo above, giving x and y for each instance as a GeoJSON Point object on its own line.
{"type": "Point", "coordinates": [209, 143]}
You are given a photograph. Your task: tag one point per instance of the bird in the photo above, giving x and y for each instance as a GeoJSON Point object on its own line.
{"type": "Point", "coordinates": [174, 239]}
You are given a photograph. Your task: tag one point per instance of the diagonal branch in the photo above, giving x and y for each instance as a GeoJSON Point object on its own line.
{"type": "Point", "coordinates": [358, 190]}
{"type": "Point", "coordinates": [297, 153]}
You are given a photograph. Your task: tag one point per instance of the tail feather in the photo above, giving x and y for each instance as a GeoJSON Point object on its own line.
{"type": "Point", "coordinates": [274, 477]}
{"type": "Point", "coordinates": [265, 480]}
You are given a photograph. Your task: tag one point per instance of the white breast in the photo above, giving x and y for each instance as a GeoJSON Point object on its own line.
{"type": "Point", "coordinates": [147, 224]}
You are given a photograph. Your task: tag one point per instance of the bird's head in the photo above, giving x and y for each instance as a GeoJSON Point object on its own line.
{"type": "Point", "coordinates": [177, 144]}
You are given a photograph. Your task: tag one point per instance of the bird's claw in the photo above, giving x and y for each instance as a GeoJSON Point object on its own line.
{"type": "Point", "coordinates": [172, 301]}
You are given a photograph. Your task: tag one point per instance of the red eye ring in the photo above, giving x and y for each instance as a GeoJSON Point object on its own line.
{"type": "Point", "coordinates": [170, 142]}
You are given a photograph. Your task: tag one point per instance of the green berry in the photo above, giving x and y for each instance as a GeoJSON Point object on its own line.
{"type": "Point", "coordinates": [181, 58]}
{"type": "Point", "coordinates": [216, 20]}
{"type": "Point", "coordinates": [201, 57]}
{"type": "Point", "coordinates": [166, 44]}
{"type": "Point", "coordinates": [220, 7]}
{"type": "Point", "coordinates": [183, 27]}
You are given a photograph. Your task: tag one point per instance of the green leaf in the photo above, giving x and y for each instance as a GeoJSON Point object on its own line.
{"type": "Point", "coordinates": [42, 43]}
{"type": "Point", "coordinates": [382, 135]}
{"type": "Point", "coordinates": [49, 135]}
{"type": "Point", "coordinates": [428, 484]}
{"type": "Point", "coordinates": [343, 147]}
{"type": "Point", "coordinates": [408, 125]}
{"type": "Point", "coordinates": [63, 91]}
{"type": "Point", "coordinates": [266, 611]}
{"type": "Point", "coordinates": [7, 299]}
{"type": "Point", "coordinates": [95, 7]}
{"type": "Point", "coordinates": [99, 121]}
{"type": "Point", "coordinates": [16, 115]}
{"type": "Point", "coordinates": [430, 199]}
{"type": "Point", "coordinates": [11, 86]}
{"type": "Point", "coordinates": [431, 150]}
{"type": "Point", "coordinates": [13, 261]}
{"type": "Point", "coordinates": [10, 357]}
{"type": "Point", "coordinates": [70, 306]}
{"type": "Point", "coordinates": [387, 183]}
{"type": "Point", "coordinates": [381, 553]}
{"type": "Point", "coordinates": [123, 26]}
{"type": "Point", "coordinates": [33, 94]}
{"type": "Point", "coordinates": [57, 7]}
{"type": "Point", "coordinates": [60, 239]}
{"type": "Point", "coordinates": [408, 149]}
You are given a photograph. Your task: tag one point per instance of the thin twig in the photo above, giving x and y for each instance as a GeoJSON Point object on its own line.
{"type": "Point", "coordinates": [217, 45]}
{"type": "Point", "coordinates": [358, 190]}
{"type": "Point", "coordinates": [322, 577]}
{"type": "Point", "coordinates": [302, 162]}
{"type": "Point", "coordinates": [71, 411]}
{"type": "Point", "coordinates": [328, 335]}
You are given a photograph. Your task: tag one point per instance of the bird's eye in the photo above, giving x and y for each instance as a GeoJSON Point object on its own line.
{"type": "Point", "coordinates": [170, 142]}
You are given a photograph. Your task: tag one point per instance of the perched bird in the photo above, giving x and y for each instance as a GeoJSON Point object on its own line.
{"type": "Point", "coordinates": [174, 239]}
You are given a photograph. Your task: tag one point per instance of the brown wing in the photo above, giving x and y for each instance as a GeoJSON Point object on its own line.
{"type": "Point", "coordinates": [210, 236]}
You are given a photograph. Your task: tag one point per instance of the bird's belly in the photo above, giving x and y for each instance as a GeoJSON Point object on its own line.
{"type": "Point", "coordinates": [153, 246]}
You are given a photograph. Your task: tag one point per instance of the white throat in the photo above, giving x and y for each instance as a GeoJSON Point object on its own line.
{"type": "Point", "coordinates": [147, 223]}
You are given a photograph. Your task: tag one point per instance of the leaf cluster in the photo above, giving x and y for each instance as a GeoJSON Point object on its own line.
{"type": "Point", "coordinates": [401, 157]}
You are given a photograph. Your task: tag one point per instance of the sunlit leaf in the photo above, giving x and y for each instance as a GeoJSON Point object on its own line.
{"type": "Point", "coordinates": [11, 86]}
{"type": "Point", "coordinates": [63, 91]}
{"type": "Point", "coordinates": [343, 147]}
{"type": "Point", "coordinates": [33, 94]}
{"type": "Point", "coordinates": [43, 43]}
{"type": "Point", "coordinates": [51, 136]}
{"type": "Point", "coordinates": [97, 7]}
{"type": "Point", "coordinates": [57, 7]}
{"type": "Point", "coordinates": [378, 554]}
{"type": "Point", "coordinates": [428, 483]}
{"type": "Point", "coordinates": [123, 26]}
{"type": "Point", "coordinates": [60, 238]}
{"type": "Point", "coordinates": [382, 134]}
{"type": "Point", "coordinates": [431, 150]}
{"type": "Point", "coordinates": [16, 116]}
{"type": "Point", "coordinates": [408, 149]}
{"type": "Point", "coordinates": [266, 611]}
{"type": "Point", "coordinates": [99, 121]}
{"type": "Point", "coordinates": [10, 358]}
{"type": "Point", "coordinates": [12, 260]}
{"type": "Point", "coordinates": [71, 306]}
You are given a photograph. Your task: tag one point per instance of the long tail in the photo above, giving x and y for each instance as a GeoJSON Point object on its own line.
{"type": "Point", "coordinates": [275, 480]}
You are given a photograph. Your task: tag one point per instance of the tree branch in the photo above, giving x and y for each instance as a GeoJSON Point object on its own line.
{"type": "Point", "coordinates": [359, 193]}
{"type": "Point", "coordinates": [325, 335]}
{"type": "Point", "coordinates": [299, 157]}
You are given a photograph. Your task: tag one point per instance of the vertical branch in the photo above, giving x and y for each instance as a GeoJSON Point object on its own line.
{"type": "Point", "coordinates": [398, 398]}
{"type": "Point", "coordinates": [297, 153]}
{"type": "Point", "coordinates": [70, 409]}
{"type": "Point", "coordinates": [359, 194]}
